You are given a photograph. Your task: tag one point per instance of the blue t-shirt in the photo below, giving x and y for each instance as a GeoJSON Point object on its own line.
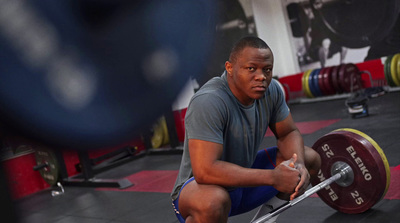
{"type": "Point", "coordinates": [214, 114]}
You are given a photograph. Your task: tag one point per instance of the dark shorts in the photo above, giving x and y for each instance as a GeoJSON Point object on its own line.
{"type": "Point", "coordinates": [245, 199]}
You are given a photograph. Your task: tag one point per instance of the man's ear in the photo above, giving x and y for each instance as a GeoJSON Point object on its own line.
{"type": "Point", "coordinates": [228, 67]}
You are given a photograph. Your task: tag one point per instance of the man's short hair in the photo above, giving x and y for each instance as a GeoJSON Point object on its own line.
{"type": "Point", "coordinates": [249, 41]}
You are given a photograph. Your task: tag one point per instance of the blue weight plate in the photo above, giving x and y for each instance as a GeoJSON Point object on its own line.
{"type": "Point", "coordinates": [315, 82]}
{"type": "Point", "coordinates": [311, 85]}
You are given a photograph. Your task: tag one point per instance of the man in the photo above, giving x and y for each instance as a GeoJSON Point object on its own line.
{"type": "Point", "coordinates": [222, 172]}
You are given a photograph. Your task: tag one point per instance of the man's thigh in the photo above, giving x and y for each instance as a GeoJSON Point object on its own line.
{"type": "Point", "coordinates": [247, 198]}
{"type": "Point", "coordinates": [195, 199]}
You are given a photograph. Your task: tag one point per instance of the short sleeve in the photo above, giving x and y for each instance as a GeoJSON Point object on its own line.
{"type": "Point", "coordinates": [205, 118]}
{"type": "Point", "coordinates": [281, 110]}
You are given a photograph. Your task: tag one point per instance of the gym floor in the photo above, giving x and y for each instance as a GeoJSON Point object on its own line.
{"type": "Point", "coordinates": [153, 177]}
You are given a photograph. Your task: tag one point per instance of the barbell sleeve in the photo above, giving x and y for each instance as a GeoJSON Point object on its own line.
{"type": "Point", "coordinates": [40, 166]}
{"type": "Point", "coordinates": [306, 194]}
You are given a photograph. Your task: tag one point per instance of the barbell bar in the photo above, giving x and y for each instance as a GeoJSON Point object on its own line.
{"type": "Point", "coordinates": [343, 173]}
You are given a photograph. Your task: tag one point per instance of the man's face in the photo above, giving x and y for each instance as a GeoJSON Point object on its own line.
{"type": "Point", "coordinates": [250, 75]}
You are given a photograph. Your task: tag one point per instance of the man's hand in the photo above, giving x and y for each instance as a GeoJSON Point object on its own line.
{"type": "Point", "coordinates": [287, 176]}
{"type": "Point", "coordinates": [304, 181]}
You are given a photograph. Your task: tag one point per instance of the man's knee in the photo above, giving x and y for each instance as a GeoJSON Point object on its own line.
{"type": "Point", "coordinates": [204, 203]}
{"type": "Point", "coordinates": [312, 161]}
{"type": "Point", "coordinates": [217, 206]}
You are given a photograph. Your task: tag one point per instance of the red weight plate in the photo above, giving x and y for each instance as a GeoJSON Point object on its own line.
{"type": "Point", "coordinates": [335, 79]}
{"type": "Point", "coordinates": [327, 80]}
{"type": "Point", "coordinates": [349, 74]}
{"type": "Point", "coordinates": [321, 81]}
{"type": "Point", "coordinates": [370, 176]}
{"type": "Point", "coordinates": [378, 152]}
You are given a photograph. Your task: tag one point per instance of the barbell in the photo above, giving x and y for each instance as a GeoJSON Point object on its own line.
{"type": "Point", "coordinates": [353, 177]}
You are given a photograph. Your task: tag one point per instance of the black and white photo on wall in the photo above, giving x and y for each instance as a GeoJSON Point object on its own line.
{"type": "Point", "coordinates": [330, 32]}
{"type": "Point", "coordinates": [234, 20]}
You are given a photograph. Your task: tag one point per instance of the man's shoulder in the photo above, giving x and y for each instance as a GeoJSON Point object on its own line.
{"type": "Point", "coordinates": [216, 86]}
{"type": "Point", "coordinates": [274, 90]}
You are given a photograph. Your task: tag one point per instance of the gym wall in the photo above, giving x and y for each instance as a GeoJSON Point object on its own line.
{"type": "Point", "coordinates": [295, 29]}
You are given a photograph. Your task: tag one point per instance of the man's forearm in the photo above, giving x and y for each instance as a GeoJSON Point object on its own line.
{"type": "Point", "coordinates": [231, 175]}
{"type": "Point", "coordinates": [292, 143]}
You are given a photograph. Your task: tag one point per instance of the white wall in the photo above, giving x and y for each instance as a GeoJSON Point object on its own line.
{"type": "Point", "coordinates": [272, 26]}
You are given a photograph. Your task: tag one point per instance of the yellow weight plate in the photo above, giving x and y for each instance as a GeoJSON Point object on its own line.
{"type": "Point", "coordinates": [158, 135]}
{"type": "Point", "coordinates": [398, 67]}
{"type": "Point", "coordinates": [306, 84]}
{"type": "Point", "coordinates": [378, 149]}
{"type": "Point", "coordinates": [303, 84]}
{"type": "Point", "coordinates": [394, 70]}
{"type": "Point", "coordinates": [163, 123]}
